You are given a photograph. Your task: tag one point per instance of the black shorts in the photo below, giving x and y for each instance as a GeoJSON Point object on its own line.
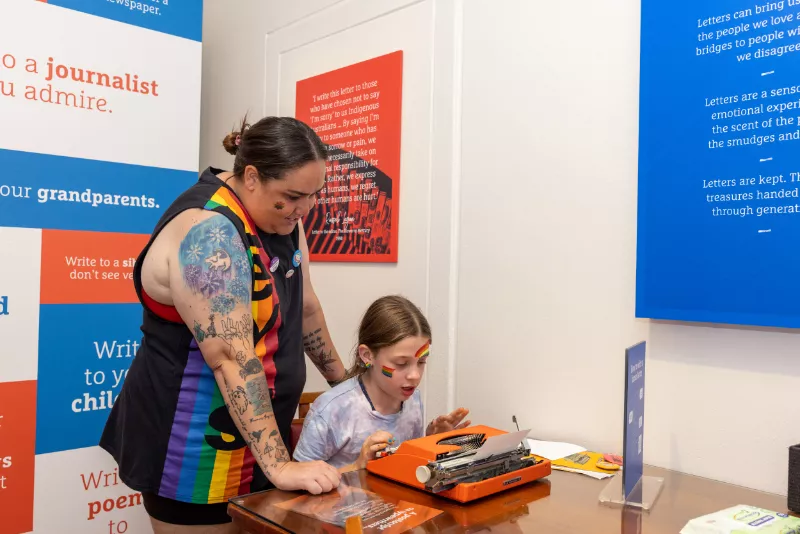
{"type": "Point", "coordinates": [184, 513]}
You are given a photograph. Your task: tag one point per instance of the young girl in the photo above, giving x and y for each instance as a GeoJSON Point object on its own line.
{"type": "Point", "coordinates": [378, 405]}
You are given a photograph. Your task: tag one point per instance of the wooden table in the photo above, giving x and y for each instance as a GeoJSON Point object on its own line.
{"type": "Point", "coordinates": [562, 503]}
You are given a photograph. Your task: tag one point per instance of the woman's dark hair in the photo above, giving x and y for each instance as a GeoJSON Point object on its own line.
{"type": "Point", "coordinates": [274, 146]}
{"type": "Point", "coordinates": [388, 321]}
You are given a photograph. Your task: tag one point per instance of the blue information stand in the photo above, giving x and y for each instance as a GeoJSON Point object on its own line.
{"type": "Point", "coordinates": [632, 488]}
{"type": "Point", "coordinates": [632, 455]}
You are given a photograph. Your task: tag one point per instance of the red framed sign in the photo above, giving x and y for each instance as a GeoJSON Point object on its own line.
{"type": "Point", "coordinates": [356, 110]}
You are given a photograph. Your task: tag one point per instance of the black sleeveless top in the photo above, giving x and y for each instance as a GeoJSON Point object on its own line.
{"type": "Point", "coordinates": [170, 431]}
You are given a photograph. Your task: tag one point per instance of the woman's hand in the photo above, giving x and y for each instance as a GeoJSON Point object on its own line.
{"type": "Point", "coordinates": [446, 423]}
{"type": "Point", "coordinates": [376, 442]}
{"type": "Point", "coordinates": [314, 477]}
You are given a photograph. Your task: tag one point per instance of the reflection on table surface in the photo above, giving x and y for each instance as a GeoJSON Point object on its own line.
{"type": "Point", "coordinates": [562, 503]}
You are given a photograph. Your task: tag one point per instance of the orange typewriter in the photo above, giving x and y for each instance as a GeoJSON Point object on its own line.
{"type": "Point", "coordinates": [463, 465]}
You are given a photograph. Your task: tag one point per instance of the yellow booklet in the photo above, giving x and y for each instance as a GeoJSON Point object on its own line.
{"type": "Point", "coordinates": [583, 461]}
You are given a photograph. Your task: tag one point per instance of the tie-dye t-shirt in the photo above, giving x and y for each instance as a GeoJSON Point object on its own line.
{"type": "Point", "coordinates": [341, 419]}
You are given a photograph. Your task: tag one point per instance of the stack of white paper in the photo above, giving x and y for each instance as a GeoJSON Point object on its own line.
{"type": "Point", "coordinates": [553, 450]}
{"type": "Point", "coordinates": [500, 444]}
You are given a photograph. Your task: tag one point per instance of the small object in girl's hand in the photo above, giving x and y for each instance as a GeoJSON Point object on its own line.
{"type": "Point", "coordinates": [385, 452]}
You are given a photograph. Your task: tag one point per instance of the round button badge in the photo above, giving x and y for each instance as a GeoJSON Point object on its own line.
{"type": "Point", "coordinates": [273, 265]}
{"type": "Point", "coordinates": [297, 258]}
{"type": "Point", "coordinates": [289, 273]}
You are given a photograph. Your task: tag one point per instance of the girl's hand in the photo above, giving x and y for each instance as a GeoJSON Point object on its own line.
{"type": "Point", "coordinates": [376, 442]}
{"type": "Point", "coordinates": [446, 423]}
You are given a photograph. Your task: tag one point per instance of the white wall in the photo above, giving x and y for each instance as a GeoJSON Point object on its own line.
{"type": "Point", "coordinates": [234, 42]}
{"type": "Point", "coordinates": [233, 69]}
{"type": "Point", "coordinates": [548, 249]}
{"type": "Point", "coordinates": [543, 125]}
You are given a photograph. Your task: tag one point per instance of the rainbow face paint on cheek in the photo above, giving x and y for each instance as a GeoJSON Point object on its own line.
{"type": "Point", "coordinates": [387, 371]}
{"type": "Point", "coordinates": [279, 205]}
{"type": "Point", "coordinates": [423, 351]}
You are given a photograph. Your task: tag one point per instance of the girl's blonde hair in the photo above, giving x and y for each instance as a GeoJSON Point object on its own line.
{"type": "Point", "coordinates": [386, 322]}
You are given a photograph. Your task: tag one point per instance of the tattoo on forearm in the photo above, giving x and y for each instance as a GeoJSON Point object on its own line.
{"type": "Point", "coordinates": [254, 436]}
{"type": "Point", "coordinates": [269, 449]}
{"type": "Point", "coordinates": [239, 400]}
{"type": "Point", "coordinates": [314, 346]}
{"type": "Point", "coordinates": [312, 342]}
{"type": "Point", "coordinates": [281, 454]}
{"type": "Point", "coordinates": [262, 418]}
{"type": "Point", "coordinates": [251, 367]}
{"type": "Point", "coordinates": [258, 395]}
{"type": "Point", "coordinates": [323, 361]}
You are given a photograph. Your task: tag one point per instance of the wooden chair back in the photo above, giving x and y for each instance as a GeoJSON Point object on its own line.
{"type": "Point", "coordinates": [306, 399]}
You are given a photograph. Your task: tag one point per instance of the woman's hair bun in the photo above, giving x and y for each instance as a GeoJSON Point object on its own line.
{"type": "Point", "coordinates": [273, 146]}
{"type": "Point", "coordinates": [229, 143]}
{"type": "Point", "coordinates": [233, 140]}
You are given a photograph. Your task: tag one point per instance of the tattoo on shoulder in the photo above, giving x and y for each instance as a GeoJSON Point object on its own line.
{"type": "Point", "coordinates": [215, 264]}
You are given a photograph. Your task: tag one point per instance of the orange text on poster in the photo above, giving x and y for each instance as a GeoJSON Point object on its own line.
{"type": "Point", "coordinates": [89, 267]}
{"type": "Point", "coordinates": [17, 455]}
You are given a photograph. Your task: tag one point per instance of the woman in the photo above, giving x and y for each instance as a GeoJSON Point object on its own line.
{"type": "Point", "coordinates": [205, 411]}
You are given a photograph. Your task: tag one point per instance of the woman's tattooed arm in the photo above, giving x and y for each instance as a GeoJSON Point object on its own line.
{"type": "Point", "coordinates": [211, 282]}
